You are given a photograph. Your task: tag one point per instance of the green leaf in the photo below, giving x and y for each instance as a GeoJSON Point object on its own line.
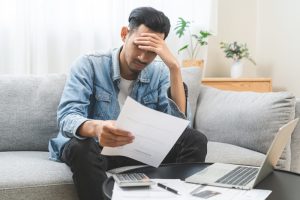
{"type": "Point", "coordinates": [182, 48]}
{"type": "Point", "coordinates": [196, 40]}
{"type": "Point", "coordinates": [181, 27]}
{"type": "Point", "coordinates": [205, 34]}
{"type": "Point", "coordinates": [202, 37]}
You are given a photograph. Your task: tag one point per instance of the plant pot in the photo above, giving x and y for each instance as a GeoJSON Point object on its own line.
{"type": "Point", "coordinates": [236, 69]}
{"type": "Point", "coordinates": [193, 63]}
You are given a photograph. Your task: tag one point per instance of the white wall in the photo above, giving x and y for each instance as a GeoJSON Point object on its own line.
{"type": "Point", "coordinates": [271, 28]}
{"type": "Point", "coordinates": [236, 22]}
{"type": "Point", "coordinates": [278, 43]}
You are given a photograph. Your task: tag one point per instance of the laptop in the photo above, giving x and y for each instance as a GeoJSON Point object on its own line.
{"type": "Point", "coordinates": [241, 176]}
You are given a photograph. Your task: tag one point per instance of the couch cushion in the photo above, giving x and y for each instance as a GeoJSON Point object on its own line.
{"type": "Point", "coordinates": [192, 77]}
{"type": "Point", "coordinates": [227, 153]}
{"type": "Point", "coordinates": [295, 143]}
{"type": "Point", "coordinates": [31, 175]}
{"type": "Point", "coordinates": [245, 119]}
{"type": "Point", "coordinates": [28, 106]}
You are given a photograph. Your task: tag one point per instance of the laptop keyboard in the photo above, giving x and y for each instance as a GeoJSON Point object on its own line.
{"type": "Point", "coordinates": [239, 176]}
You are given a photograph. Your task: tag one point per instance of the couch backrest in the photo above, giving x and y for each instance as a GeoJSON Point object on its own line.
{"type": "Point", "coordinates": [28, 106]}
{"type": "Point", "coordinates": [295, 143]}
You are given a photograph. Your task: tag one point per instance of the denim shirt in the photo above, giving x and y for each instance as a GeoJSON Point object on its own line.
{"type": "Point", "coordinates": [91, 92]}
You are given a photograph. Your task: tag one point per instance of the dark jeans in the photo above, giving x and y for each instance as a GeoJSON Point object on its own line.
{"type": "Point", "coordinates": [89, 166]}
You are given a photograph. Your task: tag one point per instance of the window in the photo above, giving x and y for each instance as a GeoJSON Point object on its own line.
{"type": "Point", "coordinates": [38, 37]}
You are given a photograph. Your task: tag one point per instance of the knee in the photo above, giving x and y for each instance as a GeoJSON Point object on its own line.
{"type": "Point", "coordinates": [197, 138]}
{"type": "Point", "coordinates": [194, 145]}
{"type": "Point", "coordinates": [201, 138]}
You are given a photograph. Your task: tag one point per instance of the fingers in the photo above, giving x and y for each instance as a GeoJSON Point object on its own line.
{"type": "Point", "coordinates": [149, 48]}
{"type": "Point", "coordinates": [149, 39]}
{"type": "Point", "coordinates": [113, 137]}
{"type": "Point", "coordinates": [115, 130]}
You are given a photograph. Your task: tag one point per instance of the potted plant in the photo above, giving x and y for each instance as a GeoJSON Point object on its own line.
{"type": "Point", "coordinates": [236, 52]}
{"type": "Point", "coordinates": [196, 42]}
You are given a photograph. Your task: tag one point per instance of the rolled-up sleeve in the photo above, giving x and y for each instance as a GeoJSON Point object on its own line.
{"type": "Point", "coordinates": [73, 107]}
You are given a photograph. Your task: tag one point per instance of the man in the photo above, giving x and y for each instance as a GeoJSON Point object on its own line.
{"type": "Point", "coordinates": [96, 91]}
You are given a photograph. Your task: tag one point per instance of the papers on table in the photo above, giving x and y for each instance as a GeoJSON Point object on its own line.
{"type": "Point", "coordinates": [185, 190]}
{"type": "Point", "coordinates": [155, 133]}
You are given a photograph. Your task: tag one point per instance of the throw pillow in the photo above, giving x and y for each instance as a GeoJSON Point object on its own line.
{"type": "Point", "coordinates": [245, 119]}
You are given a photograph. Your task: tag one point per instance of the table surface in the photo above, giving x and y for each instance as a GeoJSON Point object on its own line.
{"type": "Point", "coordinates": [284, 185]}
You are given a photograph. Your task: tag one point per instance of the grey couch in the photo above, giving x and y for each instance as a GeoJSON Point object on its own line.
{"type": "Point", "coordinates": [28, 120]}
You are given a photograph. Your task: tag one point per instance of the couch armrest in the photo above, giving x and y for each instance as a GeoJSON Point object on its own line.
{"type": "Point", "coordinates": [295, 143]}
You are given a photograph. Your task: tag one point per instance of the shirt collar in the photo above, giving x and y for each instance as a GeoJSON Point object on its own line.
{"type": "Point", "coordinates": [116, 74]}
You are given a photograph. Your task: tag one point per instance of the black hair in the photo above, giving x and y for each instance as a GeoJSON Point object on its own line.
{"type": "Point", "coordinates": [150, 17]}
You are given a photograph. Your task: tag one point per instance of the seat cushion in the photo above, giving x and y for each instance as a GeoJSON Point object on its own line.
{"type": "Point", "coordinates": [228, 153]}
{"type": "Point", "coordinates": [31, 175]}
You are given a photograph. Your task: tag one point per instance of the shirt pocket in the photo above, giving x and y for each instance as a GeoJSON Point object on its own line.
{"type": "Point", "coordinates": [103, 104]}
{"type": "Point", "coordinates": [151, 100]}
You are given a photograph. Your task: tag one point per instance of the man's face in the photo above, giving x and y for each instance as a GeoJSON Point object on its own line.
{"type": "Point", "coordinates": [135, 58]}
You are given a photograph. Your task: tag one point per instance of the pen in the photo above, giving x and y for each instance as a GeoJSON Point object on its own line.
{"type": "Point", "coordinates": [167, 188]}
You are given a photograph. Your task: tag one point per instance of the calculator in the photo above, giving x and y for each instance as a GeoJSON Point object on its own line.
{"type": "Point", "coordinates": [132, 180]}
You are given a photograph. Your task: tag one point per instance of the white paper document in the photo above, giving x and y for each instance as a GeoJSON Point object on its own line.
{"type": "Point", "coordinates": [187, 191]}
{"type": "Point", "coordinates": [155, 133]}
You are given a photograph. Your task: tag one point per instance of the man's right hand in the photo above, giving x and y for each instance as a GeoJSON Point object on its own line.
{"type": "Point", "coordinates": [107, 132]}
{"type": "Point", "coordinates": [110, 136]}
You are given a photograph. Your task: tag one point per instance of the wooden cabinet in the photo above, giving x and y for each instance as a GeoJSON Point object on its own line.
{"type": "Point", "coordinates": [240, 84]}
